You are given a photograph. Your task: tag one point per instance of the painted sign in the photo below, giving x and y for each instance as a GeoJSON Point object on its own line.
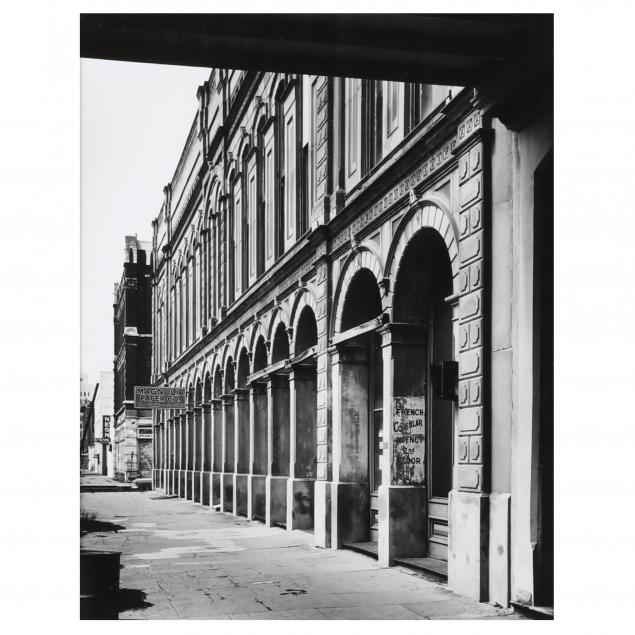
{"type": "Point", "coordinates": [158, 397]}
{"type": "Point", "coordinates": [408, 440]}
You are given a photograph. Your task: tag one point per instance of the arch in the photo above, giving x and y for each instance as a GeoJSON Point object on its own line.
{"type": "Point", "coordinates": [278, 315]}
{"type": "Point", "coordinates": [361, 258]}
{"type": "Point", "coordinates": [217, 389]}
{"type": "Point", "coordinates": [229, 379]}
{"type": "Point", "coordinates": [280, 344]}
{"type": "Point", "coordinates": [303, 298]}
{"type": "Point", "coordinates": [259, 357]}
{"type": "Point", "coordinates": [207, 387]}
{"type": "Point", "coordinates": [243, 368]}
{"type": "Point", "coordinates": [305, 332]}
{"type": "Point", "coordinates": [433, 213]}
{"type": "Point", "coordinates": [190, 397]}
{"type": "Point", "coordinates": [198, 393]}
{"type": "Point", "coordinates": [257, 330]}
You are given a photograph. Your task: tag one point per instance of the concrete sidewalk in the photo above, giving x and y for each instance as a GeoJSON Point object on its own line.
{"type": "Point", "coordinates": [181, 560]}
{"type": "Point", "coordinates": [91, 482]}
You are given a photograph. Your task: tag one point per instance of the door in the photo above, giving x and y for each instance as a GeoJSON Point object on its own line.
{"type": "Point", "coordinates": [375, 424]}
{"type": "Point", "coordinates": [439, 430]}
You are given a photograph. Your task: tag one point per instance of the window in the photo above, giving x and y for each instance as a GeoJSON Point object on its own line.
{"type": "Point", "coordinates": [352, 105]}
{"type": "Point", "coordinates": [392, 108]}
{"type": "Point", "coordinates": [372, 131]}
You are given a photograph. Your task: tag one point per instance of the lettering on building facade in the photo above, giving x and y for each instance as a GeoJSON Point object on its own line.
{"type": "Point", "coordinates": [408, 446]}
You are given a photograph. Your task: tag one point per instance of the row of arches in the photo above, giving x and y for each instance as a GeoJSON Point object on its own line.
{"type": "Point", "coordinates": [397, 316]}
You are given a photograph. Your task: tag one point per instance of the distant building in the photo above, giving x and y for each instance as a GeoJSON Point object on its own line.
{"type": "Point", "coordinates": [85, 397]}
{"type": "Point", "coordinates": [101, 420]}
{"type": "Point", "coordinates": [132, 447]}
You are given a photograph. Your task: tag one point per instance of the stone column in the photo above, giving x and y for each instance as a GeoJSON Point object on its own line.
{"type": "Point", "coordinates": [302, 447]}
{"type": "Point", "coordinates": [402, 494]}
{"type": "Point", "coordinates": [256, 506]}
{"type": "Point", "coordinates": [206, 454]}
{"type": "Point", "coordinates": [217, 451]}
{"type": "Point", "coordinates": [469, 505]}
{"type": "Point", "coordinates": [197, 464]}
{"type": "Point", "coordinates": [229, 461]}
{"type": "Point", "coordinates": [169, 450]}
{"type": "Point", "coordinates": [322, 486]}
{"type": "Point", "coordinates": [278, 448]}
{"type": "Point", "coordinates": [241, 450]}
{"type": "Point", "coordinates": [349, 488]}
{"type": "Point", "coordinates": [189, 452]}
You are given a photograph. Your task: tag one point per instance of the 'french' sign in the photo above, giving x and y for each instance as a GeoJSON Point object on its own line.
{"type": "Point", "coordinates": [159, 397]}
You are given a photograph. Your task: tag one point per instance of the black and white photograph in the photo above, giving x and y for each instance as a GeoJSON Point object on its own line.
{"type": "Point", "coordinates": [320, 287]}
{"type": "Point", "coordinates": [321, 329]}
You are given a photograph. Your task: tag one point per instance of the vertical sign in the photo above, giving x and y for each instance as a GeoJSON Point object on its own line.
{"type": "Point", "coordinates": [408, 444]}
{"type": "Point", "coordinates": [105, 432]}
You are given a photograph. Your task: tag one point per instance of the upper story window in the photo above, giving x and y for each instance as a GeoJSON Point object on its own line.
{"type": "Point", "coordinates": [392, 107]}
{"type": "Point", "coordinates": [372, 124]}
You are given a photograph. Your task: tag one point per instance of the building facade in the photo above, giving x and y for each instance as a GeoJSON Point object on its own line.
{"type": "Point", "coordinates": [100, 449]}
{"type": "Point", "coordinates": [86, 390]}
{"type": "Point", "coordinates": [132, 443]}
{"type": "Point", "coordinates": [351, 281]}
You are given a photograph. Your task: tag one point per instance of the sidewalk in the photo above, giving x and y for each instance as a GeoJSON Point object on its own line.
{"type": "Point", "coordinates": [181, 560]}
{"type": "Point", "coordinates": [91, 482]}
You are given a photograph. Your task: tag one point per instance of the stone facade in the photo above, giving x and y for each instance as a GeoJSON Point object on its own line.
{"type": "Point", "coordinates": [133, 351]}
{"type": "Point", "coordinates": [344, 284]}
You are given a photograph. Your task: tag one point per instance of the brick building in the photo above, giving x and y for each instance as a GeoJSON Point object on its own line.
{"type": "Point", "coordinates": [132, 442]}
{"type": "Point", "coordinates": [352, 281]}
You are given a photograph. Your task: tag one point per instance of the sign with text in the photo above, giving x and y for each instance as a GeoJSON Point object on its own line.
{"type": "Point", "coordinates": [408, 440]}
{"type": "Point", "coordinates": [160, 397]}
{"type": "Point", "coordinates": [106, 426]}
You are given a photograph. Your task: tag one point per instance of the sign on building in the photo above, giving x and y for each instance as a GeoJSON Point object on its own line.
{"type": "Point", "coordinates": [106, 427]}
{"type": "Point", "coordinates": [144, 432]}
{"type": "Point", "coordinates": [158, 397]}
{"type": "Point", "coordinates": [409, 440]}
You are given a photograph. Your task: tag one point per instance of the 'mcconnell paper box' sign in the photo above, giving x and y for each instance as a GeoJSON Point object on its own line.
{"type": "Point", "coordinates": [408, 440]}
{"type": "Point", "coordinates": [151, 397]}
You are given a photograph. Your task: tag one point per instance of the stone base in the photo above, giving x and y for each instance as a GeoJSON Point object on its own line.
{"type": "Point", "coordinates": [499, 561]}
{"type": "Point", "coordinates": [276, 494]}
{"type": "Point", "coordinates": [206, 478]}
{"type": "Point", "coordinates": [468, 545]}
{"type": "Point", "coordinates": [240, 494]}
{"type": "Point", "coordinates": [300, 503]}
{"type": "Point", "coordinates": [196, 487]}
{"type": "Point", "coordinates": [350, 520]}
{"type": "Point", "coordinates": [322, 514]}
{"type": "Point", "coordinates": [402, 523]}
{"type": "Point", "coordinates": [188, 485]}
{"type": "Point", "coordinates": [217, 486]}
{"type": "Point", "coordinates": [181, 477]}
{"type": "Point", "coordinates": [256, 497]}
{"type": "Point", "coordinates": [227, 493]}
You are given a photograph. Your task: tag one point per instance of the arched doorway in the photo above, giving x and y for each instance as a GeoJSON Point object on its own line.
{"type": "Point", "coordinates": [241, 413]}
{"type": "Point", "coordinates": [424, 369]}
{"type": "Point", "coordinates": [303, 441]}
{"type": "Point", "coordinates": [259, 405]}
{"type": "Point", "coordinates": [358, 397]}
{"type": "Point", "coordinates": [198, 442]}
{"type": "Point", "coordinates": [207, 441]}
{"type": "Point", "coordinates": [278, 392]}
{"type": "Point", "coordinates": [229, 449]}
{"type": "Point", "coordinates": [217, 437]}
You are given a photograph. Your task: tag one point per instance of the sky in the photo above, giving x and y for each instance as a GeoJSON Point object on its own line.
{"type": "Point", "coordinates": [134, 122]}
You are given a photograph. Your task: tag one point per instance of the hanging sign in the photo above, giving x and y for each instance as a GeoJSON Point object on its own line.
{"type": "Point", "coordinates": [158, 397]}
{"type": "Point", "coordinates": [408, 440]}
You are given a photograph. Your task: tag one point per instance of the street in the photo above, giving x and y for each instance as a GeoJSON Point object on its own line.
{"type": "Point", "coordinates": [184, 561]}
